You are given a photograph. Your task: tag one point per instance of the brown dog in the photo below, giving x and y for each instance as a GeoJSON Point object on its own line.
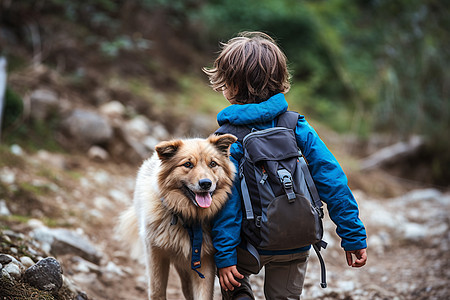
{"type": "Point", "coordinates": [180, 188]}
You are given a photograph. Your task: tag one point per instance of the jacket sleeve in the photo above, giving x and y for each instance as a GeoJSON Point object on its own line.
{"type": "Point", "coordinates": [226, 227]}
{"type": "Point", "coordinates": [332, 186]}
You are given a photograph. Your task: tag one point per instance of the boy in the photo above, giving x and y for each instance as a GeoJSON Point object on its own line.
{"type": "Point", "coordinates": [252, 74]}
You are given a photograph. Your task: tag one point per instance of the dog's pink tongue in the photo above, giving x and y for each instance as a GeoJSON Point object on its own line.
{"type": "Point", "coordinates": [203, 200]}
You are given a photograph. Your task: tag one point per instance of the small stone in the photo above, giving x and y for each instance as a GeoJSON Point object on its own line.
{"type": "Point", "coordinates": [5, 259]}
{"type": "Point", "coordinates": [4, 211]}
{"type": "Point", "coordinates": [26, 261]}
{"type": "Point", "coordinates": [97, 153]}
{"type": "Point", "coordinates": [7, 176]}
{"type": "Point", "coordinates": [113, 109]}
{"type": "Point", "coordinates": [113, 268]}
{"type": "Point", "coordinates": [45, 275]}
{"type": "Point", "coordinates": [35, 223]}
{"type": "Point", "coordinates": [83, 266]}
{"type": "Point", "coordinates": [17, 150]}
{"type": "Point", "coordinates": [5, 274]}
{"type": "Point", "coordinates": [13, 270]}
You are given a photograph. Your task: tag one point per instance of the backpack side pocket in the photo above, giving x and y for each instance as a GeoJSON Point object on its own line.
{"type": "Point", "coordinates": [290, 225]}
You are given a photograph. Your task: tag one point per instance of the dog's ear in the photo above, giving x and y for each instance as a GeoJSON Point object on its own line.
{"type": "Point", "coordinates": [166, 150]}
{"type": "Point", "coordinates": [222, 142]}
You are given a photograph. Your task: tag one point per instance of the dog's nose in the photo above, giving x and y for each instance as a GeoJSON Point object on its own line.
{"type": "Point", "coordinates": [205, 183]}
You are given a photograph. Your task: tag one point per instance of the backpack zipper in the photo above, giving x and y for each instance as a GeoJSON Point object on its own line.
{"type": "Point", "coordinates": [261, 132]}
{"type": "Point", "coordinates": [265, 176]}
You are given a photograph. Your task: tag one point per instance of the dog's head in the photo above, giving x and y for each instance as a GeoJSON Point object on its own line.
{"type": "Point", "coordinates": [196, 175]}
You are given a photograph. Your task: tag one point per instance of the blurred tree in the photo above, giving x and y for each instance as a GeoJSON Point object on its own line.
{"type": "Point", "coordinates": [359, 65]}
{"type": "Point", "coordinates": [412, 59]}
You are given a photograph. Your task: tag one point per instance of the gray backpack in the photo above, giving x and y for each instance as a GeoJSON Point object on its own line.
{"type": "Point", "coordinates": [282, 208]}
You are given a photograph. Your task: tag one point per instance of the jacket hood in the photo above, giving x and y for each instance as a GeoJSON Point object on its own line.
{"type": "Point", "coordinates": [242, 114]}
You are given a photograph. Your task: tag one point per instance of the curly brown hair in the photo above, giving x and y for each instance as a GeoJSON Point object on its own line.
{"type": "Point", "coordinates": [252, 66]}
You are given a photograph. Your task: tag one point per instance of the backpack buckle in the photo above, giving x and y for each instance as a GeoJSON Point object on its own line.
{"type": "Point", "coordinates": [286, 180]}
{"type": "Point", "coordinates": [258, 221]}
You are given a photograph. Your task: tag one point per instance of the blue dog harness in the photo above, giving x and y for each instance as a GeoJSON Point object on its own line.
{"type": "Point", "coordinates": [196, 236]}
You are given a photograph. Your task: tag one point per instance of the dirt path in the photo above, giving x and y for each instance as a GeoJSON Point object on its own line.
{"type": "Point", "coordinates": [408, 237]}
{"type": "Point", "coordinates": [405, 261]}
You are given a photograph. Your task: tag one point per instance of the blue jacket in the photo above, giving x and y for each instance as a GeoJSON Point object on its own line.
{"type": "Point", "coordinates": [328, 176]}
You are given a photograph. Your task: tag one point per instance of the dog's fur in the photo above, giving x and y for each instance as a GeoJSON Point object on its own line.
{"type": "Point", "coordinates": [165, 186]}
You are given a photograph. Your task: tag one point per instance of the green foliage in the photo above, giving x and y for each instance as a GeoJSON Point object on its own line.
{"type": "Point", "coordinates": [13, 108]}
{"type": "Point", "coordinates": [123, 43]}
{"type": "Point", "coordinates": [35, 135]}
{"type": "Point", "coordinates": [353, 57]}
{"type": "Point", "coordinates": [329, 77]}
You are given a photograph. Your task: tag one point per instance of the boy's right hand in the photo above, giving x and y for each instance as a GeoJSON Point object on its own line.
{"type": "Point", "coordinates": [360, 258]}
{"type": "Point", "coordinates": [227, 277]}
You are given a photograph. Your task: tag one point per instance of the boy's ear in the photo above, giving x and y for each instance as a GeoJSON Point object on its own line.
{"type": "Point", "coordinates": [222, 142]}
{"type": "Point", "coordinates": [167, 150]}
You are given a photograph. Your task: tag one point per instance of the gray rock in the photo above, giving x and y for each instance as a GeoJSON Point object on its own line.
{"type": "Point", "coordinates": [5, 259]}
{"type": "Point", "coordinates": [4, 211]}
{"type": "Point", "coordinates": [45, 275]}
{"type": "Point", "coordinates": [13, 270]}
{"type": "Point", "coordinates": [83, 266]}
{"type": "Point", "coordinates": [88, 127]}
{"type": "Point", "coordinates": [63, 241]}
{"type": "Point", "coordinates": [138, 127]}
{"type": "Point", "coordinates": [43, 104]}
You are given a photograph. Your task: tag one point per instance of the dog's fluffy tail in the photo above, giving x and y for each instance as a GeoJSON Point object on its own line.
{"type": "Point", "coordinates": [128, 232]}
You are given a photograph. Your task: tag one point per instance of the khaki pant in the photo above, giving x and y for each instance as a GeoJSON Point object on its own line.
{"type": "Point", "coordinates": [284, 275]}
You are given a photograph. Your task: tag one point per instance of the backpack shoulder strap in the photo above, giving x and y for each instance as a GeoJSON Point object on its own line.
{"type": "Point", "coordinates": [288, 119]}
{"type": "Point", "coordinates": [239, 131]}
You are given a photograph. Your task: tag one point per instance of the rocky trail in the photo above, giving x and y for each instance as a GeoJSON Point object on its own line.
{"type": "Point", "coordinates": [65, 204]}
{"type": "Point", "coordinates": [72, 203]}
{"type": "Point", "coordinates": [79, 119]}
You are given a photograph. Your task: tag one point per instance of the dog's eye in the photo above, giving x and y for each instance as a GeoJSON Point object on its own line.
{"type": "Point", "coordinates": [188, 165]}
{"type": "Point", "coordinates": [212, 164]}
